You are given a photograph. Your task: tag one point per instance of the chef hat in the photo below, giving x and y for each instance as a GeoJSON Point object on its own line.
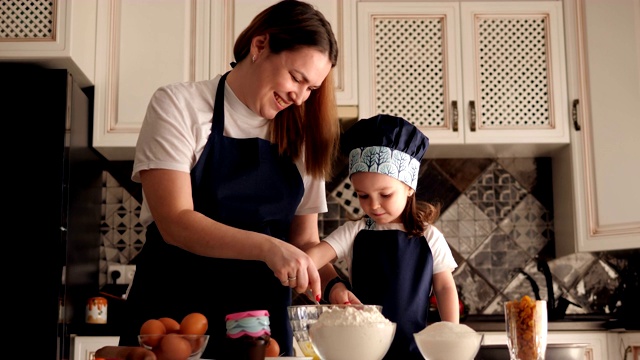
{"type": "Point", "coordinates": [387, 145]}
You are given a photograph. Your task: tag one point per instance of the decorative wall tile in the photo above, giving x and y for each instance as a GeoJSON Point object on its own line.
{"type": "Point", "coordinates": [569, 269]}
{"type": "Point", "coordinates": [497, 258]}
{"type": "Point", "coordinates": [122, 235]}
{"type": "Point", "coordinates": [475, 291]}
{"type": "Point", "coordinates": [596, 290]}
{"type": "Point", "coordinates": [462, 172]}
{"type": "Point", "coordinates": [496, 192]}
{"type": "Point", "coordinates": [497, 218]}
{"type": "Point", "coordinates": [347, 198]}
{"type": "Point", "coordinates": [528, 225]}
{"type": "Point", "coordinates": [434, 187]}
{"type": "Point", "coordinates": [465, 226]}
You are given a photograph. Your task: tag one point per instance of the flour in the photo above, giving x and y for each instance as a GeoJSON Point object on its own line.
{"type": "Point", "coordinates": [446, 329]}
{"type": "Point", "coordinates": [445, 341]}
{"type": "Point", "coordinates": [351, 315]}
{"type": "Point", "coordinates": [352, 332]}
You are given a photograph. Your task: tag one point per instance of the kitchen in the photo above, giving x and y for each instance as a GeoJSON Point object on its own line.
{"type": "Point", "coordinates": [114, 46]}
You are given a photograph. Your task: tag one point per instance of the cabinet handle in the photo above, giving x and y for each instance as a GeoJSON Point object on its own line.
{"type": "Point", "coordinates": [472, 113]}
{"type": "Point", "coordinates": [574, 114]}
{"type": "Point", "coordinates": [454, 112]}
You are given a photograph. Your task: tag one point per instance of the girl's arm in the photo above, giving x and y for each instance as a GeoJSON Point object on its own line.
{"type": "Point", "coordinates": [447, 295]}
{"type": "Point", "coordinates": [321, 254]}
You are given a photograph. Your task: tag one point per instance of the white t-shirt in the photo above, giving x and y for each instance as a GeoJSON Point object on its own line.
{"type": "Point", "coordinates": [176, 128]}
{"type": "Point", "coordinates": [343, 237]}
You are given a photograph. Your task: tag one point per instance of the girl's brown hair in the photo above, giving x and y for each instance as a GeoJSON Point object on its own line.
{"type": "Point", "coordinates": [417, 215]}
{"type": "Point", "coordinates": [312, 128]}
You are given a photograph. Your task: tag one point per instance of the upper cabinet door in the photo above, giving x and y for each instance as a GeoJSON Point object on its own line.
{"type": "Point", "coordinates": [140, 46]}
{"type": "Point", "coordinates": [596, 192]}
{"type": "Point", "coordinates": [514, 72]}
{"type": "Point", "coordinates": [341, 14]}
{"type": "Point", "coordinates": [409, 55]}
{"type": "Point", "coordinates": [469, 73]}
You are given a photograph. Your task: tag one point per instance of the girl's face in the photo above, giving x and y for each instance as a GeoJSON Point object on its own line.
{"type": "Point", "coordinates": [381, 197]}
{"type": "Point", "coordinates": [286, 79]}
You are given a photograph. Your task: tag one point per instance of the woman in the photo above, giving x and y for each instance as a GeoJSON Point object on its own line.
{"type": "Point", "coordinates": [232, 172]}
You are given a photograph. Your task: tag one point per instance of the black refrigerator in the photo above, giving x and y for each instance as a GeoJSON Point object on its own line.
{"type": "Point", "coordinates": [53, 181]}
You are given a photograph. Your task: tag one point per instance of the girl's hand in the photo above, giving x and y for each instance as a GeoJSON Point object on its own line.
{"type": "Point", "coordinates": [341, 295]}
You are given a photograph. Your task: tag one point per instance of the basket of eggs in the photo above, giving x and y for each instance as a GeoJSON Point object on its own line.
{"type": "Point", "coordinates": [173, 340]}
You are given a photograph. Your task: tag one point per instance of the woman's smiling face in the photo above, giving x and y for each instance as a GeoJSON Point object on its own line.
{"type": "Point", "coordinates": [287, 79]}
{"type": "Point", "coordinates": [381, 197]}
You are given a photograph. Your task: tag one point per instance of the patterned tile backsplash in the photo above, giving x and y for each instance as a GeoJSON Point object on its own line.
{"type": "Point", "coordinates": [496, 214]}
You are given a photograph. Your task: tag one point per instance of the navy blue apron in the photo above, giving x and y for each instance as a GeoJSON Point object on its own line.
{"type": "Point", "coordinates": [243, 183]}
{"type": "Point", "coordinates": [392, 269]}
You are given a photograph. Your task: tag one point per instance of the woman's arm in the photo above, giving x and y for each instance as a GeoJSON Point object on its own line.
{"type": "Point", "coordinates": [304, 235]}
{"type": "Point", "coordinates": [168, 194]}
{"type": "Point", "coordinates": [446, 293]}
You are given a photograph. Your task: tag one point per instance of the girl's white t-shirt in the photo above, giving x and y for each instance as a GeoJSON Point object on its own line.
{"type": "Point", "coordinates": [176, 128]}
{"type": "Point", "coordinates": [343, 237]}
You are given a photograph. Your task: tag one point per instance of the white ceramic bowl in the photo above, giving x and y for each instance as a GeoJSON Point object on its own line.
{"type": "Point", "coordinates": [445, 345]}
{"type": "Point", "coordinates": [349, 342]}
{"type": "Point", "coordinates": [351, 332]}
{"type": "Point", "coordinates": [302, 317]}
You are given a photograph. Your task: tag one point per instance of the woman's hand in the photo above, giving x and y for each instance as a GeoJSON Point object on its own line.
{"type": "Point", "coordinates": [293, 267]}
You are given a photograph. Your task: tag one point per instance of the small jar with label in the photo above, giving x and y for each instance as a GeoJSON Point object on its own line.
{"type": "Point", "coordinates": [96, 311]}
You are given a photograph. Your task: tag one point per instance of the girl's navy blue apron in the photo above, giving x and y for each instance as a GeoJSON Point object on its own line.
{"type": "Point", "coordinates": [392, 269]}
{"type": "Point", "coordinates": [242, 183]}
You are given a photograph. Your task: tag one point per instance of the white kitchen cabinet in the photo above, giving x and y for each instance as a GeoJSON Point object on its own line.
{"type": "Point", "coordinates": [489, 74]}
{"type": "Point", "coordinates": [58, 34]}
{"type": "Point", "coordinates": [597, 341]}
{"type": "Point", "coordinates": [85, 347]}
{"type": "Point", "coordinates": [624, 345]}
{"type": "Point", "coordinates": [595, 179]}
{"type": "Point", "coordinates": [143, 45]}
{"type": "Point", "coordinates": [341, 14]}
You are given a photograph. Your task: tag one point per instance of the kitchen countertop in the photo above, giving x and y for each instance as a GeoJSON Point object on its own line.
{"type": "Point", "coordinates": [569, 323]}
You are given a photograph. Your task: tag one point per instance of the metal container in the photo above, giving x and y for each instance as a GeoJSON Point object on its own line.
{"type": "Point", "coordinates": [554, 352]}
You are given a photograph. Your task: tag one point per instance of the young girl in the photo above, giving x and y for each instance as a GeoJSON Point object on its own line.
{"type": "Point", "coordinates": [394, 255]}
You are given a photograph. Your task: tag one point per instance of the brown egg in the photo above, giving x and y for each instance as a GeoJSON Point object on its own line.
{"type": "Point", "coordinates": [170, 325]}
{"type": "Point", "coordinates": [174, 347]}
{"type": "Point", "coordinates": [273, 348]}
{"type": "Point", "coordinates": [152, 327]}
{"type": "Point", "coordinates": [194, 324]}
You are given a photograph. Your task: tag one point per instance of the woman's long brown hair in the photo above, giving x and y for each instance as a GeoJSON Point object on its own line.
{"type": "Point", "coordinates": [311, 130]}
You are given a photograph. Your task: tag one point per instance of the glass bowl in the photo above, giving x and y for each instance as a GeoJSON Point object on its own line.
{"type": "Point", "coordinates": [302, 317]}
{"type": "Point", "coordinates": [175, 346]}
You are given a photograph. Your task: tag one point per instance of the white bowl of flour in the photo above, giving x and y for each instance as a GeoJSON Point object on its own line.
{"type": "Point", "coordinates": [352, 332]}
{"type": "Point", "coordinates": [448, 341]}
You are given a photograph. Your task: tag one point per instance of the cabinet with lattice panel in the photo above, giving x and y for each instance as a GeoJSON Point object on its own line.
{"type": "Point", "coordinates": [466, 73]}
{"type": "Point", "coordinates": [57, 34]}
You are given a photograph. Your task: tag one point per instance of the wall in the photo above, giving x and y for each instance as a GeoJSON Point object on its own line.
{"type": "Point", "coordinates": [497, 216]}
